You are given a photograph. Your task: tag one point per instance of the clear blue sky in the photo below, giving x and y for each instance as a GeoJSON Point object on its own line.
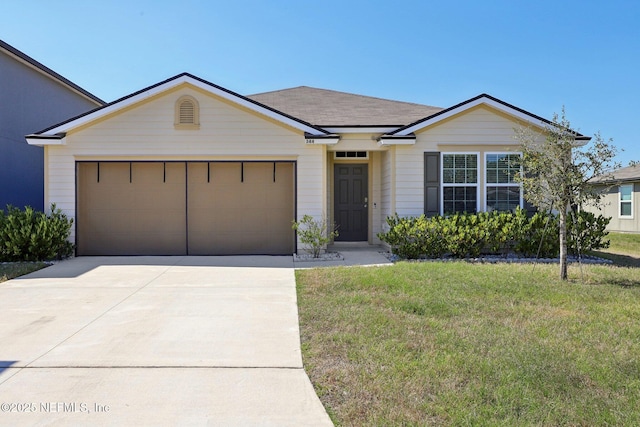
{"type": "Point", "coordinates": [538, 55]}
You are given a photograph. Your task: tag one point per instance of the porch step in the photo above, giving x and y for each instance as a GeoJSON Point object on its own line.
{"type": "Point", "coordinates": [352, 246]}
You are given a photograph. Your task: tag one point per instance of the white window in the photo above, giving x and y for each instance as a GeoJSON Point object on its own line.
{"type": "Point", "coordinates": [459, 183]}
{"type": "Point", "coordinates": [626, 200]}
{"type": "Point", "coordinates": [502, 192]}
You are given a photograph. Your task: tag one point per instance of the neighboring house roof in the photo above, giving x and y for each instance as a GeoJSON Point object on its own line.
{"type": "Point", "coordinates": [20, 56]}
{"type": "Point", "coordinates": [58, 131]}
{"type": "Point", "coordinates": [329, 108]}
{"type": "Point", "coordinates": [630, 173]}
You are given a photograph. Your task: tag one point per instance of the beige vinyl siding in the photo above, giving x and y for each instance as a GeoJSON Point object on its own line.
{"type": "Point", "coordinates": [611, 208]}
{"type": "Point", "coordinates": [479, 130]}
{"type": "Point", "coordinates": [147, 132]}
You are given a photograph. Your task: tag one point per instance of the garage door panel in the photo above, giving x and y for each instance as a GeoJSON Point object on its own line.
{"type": "Point", "coordinates": [133, 209]}
{"type": "Point", "coordinates": [173, 208]}
{"type": "Point", "coordinates": [232, 214]}
{"type": "Point", "coordinates": [159, 208]}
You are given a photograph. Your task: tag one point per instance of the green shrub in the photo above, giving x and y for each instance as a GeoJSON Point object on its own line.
{"type": "Point", "coordinates": [496, 233]}
{"type": "Point", "coordinates": [314, 234]}
{"type": "Point", "coordinates": [587, 232]}
{"type": "Point", "coordinates": [465, 234]}
{"type": "Point", "coordinates": [502, 228]}
{"type": "Point", "coordinates": [538, 236]}
{"type": "Point", "coordinates": [414, 237]}
{"type": "Point", "coordinates": [28, 235]}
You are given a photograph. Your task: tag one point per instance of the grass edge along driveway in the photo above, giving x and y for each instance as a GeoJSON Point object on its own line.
{"type": "Point", "coordinates": [11, 270]}
{"type": "Point", "coordinates": [448, 343]}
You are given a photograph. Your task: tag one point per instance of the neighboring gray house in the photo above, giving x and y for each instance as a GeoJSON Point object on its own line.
{"type": "Point", "coordinates": [621, 199]}
{"type": "Point", "coordinates": [32, 97]}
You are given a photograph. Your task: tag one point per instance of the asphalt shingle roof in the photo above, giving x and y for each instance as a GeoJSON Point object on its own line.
{"type": "Point", "coordinates": [630, 173]}
{"type": "Point", "coordinates": [326, 108]}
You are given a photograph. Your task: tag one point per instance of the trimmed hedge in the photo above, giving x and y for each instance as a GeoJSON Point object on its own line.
{"type": "Point", "coordinates": [28, 235]}
{"type": "Point", "coordinates": [495, 233]}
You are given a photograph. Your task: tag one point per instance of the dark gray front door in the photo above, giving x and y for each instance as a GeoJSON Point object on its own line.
{"type": "Point", "coordinates": [351, 202]}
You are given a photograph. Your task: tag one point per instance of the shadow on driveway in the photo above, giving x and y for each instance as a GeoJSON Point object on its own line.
{"type": "Point", "coordinates": [79, 266]}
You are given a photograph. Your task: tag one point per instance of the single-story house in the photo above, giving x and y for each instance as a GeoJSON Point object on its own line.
{"type": "Point", "coordinates": [32, 96]}
{"type": "Point", "coordinates": [189, 167]}
{"type": "Point", "coordinates": [621, 198]}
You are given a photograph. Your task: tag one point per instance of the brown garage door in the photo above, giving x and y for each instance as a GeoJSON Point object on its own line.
{"type": "Point", "coordinates": [240, 208]}
{"type": "Point", "coordinates": [176, 208]}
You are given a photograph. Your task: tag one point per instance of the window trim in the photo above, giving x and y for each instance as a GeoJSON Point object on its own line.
{"type": "Point", "coordinates": [443, 184]}
{"type": "Point", "coordinates": [486, 184]}
{"type": "Point", "coordinates": [196, 113]}
{"type": "Point", "coordinates": [620, 201]}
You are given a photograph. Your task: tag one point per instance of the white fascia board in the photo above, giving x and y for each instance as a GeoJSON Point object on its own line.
{"type": "Point", "coordinates": [41, 141]}
{"type": "Point", "coordinates": [480, 101]}
{"type": "Point", "coordinates": [355, 129]}
{"type": "Point", "coordinates": [322, 140]}
{"type": "Point", "coordinates": [169, 85]}
{"type": "Point", "coordinates": [406, 140]}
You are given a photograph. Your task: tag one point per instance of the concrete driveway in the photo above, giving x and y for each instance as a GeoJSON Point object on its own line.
{"type": "Point", "coordinates": [155, 341]}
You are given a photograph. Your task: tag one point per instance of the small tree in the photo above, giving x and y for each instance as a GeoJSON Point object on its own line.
{"type": "Point", "coordinates": [314, 234]}
{"type": "Point", "coordinates": [557, 171]}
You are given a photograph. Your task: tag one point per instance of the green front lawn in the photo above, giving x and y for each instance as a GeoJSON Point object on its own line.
{"type": "Point", "coordinates": [450, 343]}
{"type": "Point", "coordinates": [12, 270]}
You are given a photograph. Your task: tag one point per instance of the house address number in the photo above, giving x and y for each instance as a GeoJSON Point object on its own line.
{"type": "Point", "coordinates": [311, 141]}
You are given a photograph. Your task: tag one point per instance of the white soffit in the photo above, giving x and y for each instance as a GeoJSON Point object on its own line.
{"type": "Point", "coordinates": [362, 129]}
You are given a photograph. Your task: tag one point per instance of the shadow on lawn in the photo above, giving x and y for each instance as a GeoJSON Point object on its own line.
{"type": "Point", "coordinates": [619, 259]}
{"type": "Point", "coordinates": [626, 283]}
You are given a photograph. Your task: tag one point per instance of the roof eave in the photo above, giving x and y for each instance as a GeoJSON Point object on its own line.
{"type": "Point", "coordinates": [386, 140]}
{"type": "Point", "coordinates": [42, 140]}
{"type": "Point", "coordinates": [482, 99]}
{"type": "Point", "coordinates": [381, 129]}
{"type": "Point", "coordinates": [328, 139]}
{"type": "Point", "coordinates": [170, 83]}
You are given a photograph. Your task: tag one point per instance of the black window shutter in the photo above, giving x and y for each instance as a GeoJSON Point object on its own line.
{"type": "Point", "coordinates": [431, 183]}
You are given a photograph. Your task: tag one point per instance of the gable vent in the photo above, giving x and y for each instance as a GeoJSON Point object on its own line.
{"type": "Point", "coordinates": [187, 113]}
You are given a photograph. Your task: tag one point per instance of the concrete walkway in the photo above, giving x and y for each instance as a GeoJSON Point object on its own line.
{"type": "Point", "coordinates": [152, 341]}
